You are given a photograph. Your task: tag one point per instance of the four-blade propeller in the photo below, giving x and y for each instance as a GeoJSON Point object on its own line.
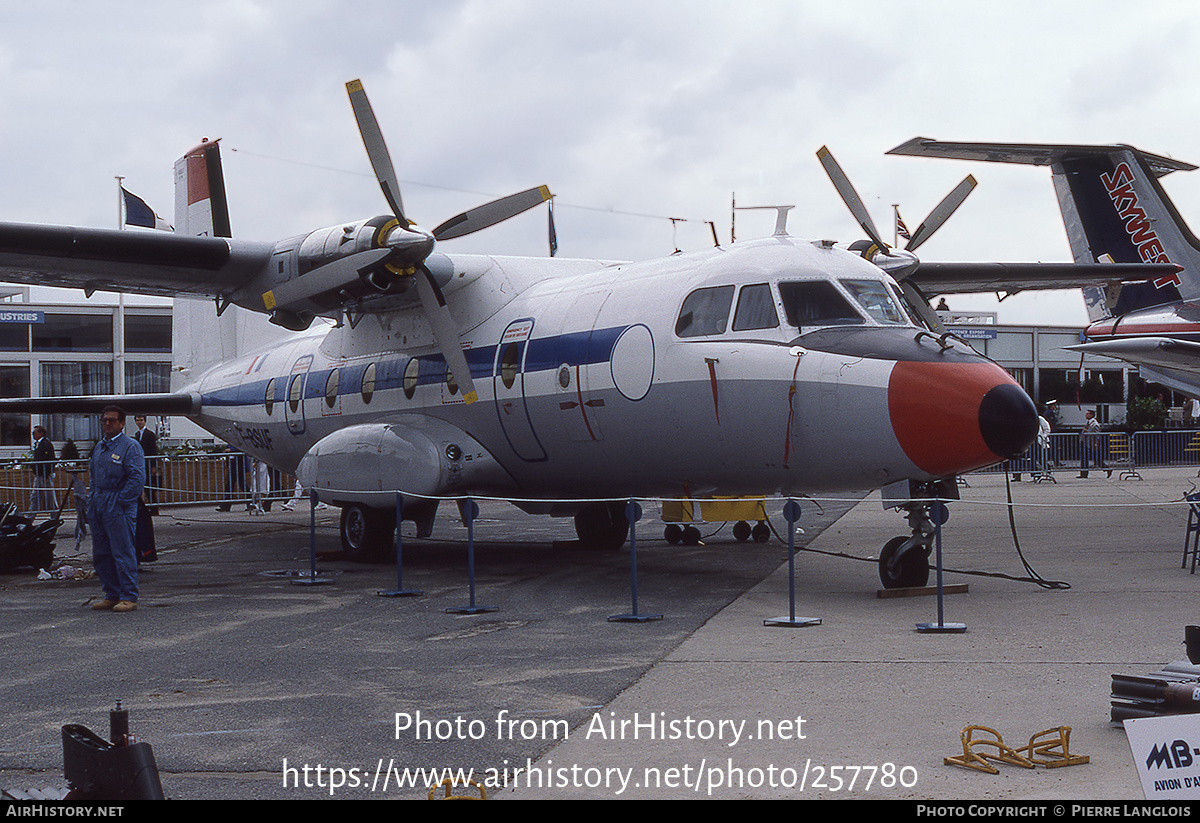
{"type": "Point", "coordinates": [899, 264]}
{"type": "Point", "coordinates": [928, 226]}
{"type": "Point", "coordinates": [414, 244]}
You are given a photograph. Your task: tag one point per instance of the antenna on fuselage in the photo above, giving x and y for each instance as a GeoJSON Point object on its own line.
{"type": "Point", "coordinates": [781, 216]}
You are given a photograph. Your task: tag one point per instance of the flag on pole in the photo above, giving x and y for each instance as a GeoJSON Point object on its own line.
{"type": "Point", "coordinates": [552, 232]}
{"type": "Point", "coordinates": [137, 213]}
{"type": "Point", "coordinates": [901, 229]}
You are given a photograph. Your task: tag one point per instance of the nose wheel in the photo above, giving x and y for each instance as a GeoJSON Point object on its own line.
{"type": "Point", "coordinates": [904, 561]}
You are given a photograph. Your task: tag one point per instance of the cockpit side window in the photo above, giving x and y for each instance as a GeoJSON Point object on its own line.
{"type": "Point", "coordinates": [873, 296]}
{"type": "Point", "coordinates": [816, 303]}
{"type": "Point", "coordinates": [755, 309]}
{"type": "Point", "coordinates": [705, 311]}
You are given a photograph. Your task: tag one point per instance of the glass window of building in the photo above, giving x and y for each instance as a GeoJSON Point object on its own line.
{"type": "Point", "coordinates": [147, 333]}
{"type": "Point", "coordinates": [74, 332]}
{"type": "Point", "coordinates": [72, 380]}
{"type": "Point", "coordinates": [14, 428]}
{"type": "Point", "coordinates": [147, 378]}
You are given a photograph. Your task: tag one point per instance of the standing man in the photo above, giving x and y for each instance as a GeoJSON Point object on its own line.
{"type": "Point", "coordinates": [42, 499]}
{"type": "Point", "coordinates": [1090, 443]}
{"type": "Point", "coordinates": [118, 475]}
{"type": "Point", "coordinates": [148, 440]}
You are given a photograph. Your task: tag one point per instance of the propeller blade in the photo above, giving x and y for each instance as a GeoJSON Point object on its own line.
{"type": "Point", "coordinates": [941, 212]}
{"type": "Point", "coordinates": [849, 196]}
{"type": "Point", "coordinates": [445, 332]}
{"type": "Point", "coordinates": [920, 305]}
{"type": "Point", "coordinates": [377, 151]}
{"type": "Point", "coordinates": [489, 214]}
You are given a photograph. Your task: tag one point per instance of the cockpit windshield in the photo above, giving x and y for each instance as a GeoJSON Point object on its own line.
{"type": "Point", "coordinates": [874, 297]}
{"type": "Point", "coordinates": [816, 303]}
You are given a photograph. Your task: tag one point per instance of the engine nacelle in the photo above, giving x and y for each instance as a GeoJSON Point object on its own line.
{"type": "Point", "coordinates": [327, 269]}
{"type": "Point", "coordinates": [369, 463]}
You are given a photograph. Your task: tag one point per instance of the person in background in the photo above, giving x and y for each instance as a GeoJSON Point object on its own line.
{"type": "Point", "coordinates": [148, 440]}
{"type": "Point", "coordinates": [42, 499]}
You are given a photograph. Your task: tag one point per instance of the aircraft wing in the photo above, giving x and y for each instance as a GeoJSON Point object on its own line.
{"type": "Point", "coordinates": [963, 278]}
{"type": "Point", "coordinates": [135, 262]}
{"type": "Point", "coordinates": [1155, 352]}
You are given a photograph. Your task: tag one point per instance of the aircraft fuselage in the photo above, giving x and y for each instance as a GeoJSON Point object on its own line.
{"type": "Point", "coordinates": [602, 380]}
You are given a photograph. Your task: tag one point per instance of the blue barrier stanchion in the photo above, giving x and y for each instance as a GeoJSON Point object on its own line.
{"type": "Point", "coordinates": [470, 510]}
{"type": "Point", "coordinates": [940, 514]}
{"type": "Point", "coordinates": [633, 513]}
{"type": "Point", "coordinates": [312, 579]}
{"type": "Point", "coordinates": [791, 513]}
{"type": "Point", "coordinates": [400, 591]}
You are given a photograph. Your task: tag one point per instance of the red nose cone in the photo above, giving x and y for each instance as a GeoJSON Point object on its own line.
{"type": "Point", "coordinates": [954, 417]}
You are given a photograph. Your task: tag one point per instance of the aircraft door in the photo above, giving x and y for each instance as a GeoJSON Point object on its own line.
{"type": "Point", "coordinates": [508, 384]}
{"type": "Point", "coordinates": [293, 398]}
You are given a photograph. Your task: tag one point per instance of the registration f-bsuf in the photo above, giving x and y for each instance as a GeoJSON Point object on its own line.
{"type": "Point", "coordinates": [775, 366]}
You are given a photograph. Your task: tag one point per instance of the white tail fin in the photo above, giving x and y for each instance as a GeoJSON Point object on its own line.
{"type": "Point", "coordinates": [201, 337]}
{"type": "Point", "coordinates": [200, 204]}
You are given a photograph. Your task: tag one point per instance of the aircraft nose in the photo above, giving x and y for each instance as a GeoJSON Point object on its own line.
{"type": "Point", "coordinates": [952, 418]}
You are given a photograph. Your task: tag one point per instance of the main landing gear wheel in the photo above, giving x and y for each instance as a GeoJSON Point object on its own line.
{"type": "Point", "coordinates": [367, 534]}
{"type": "Point", "coordinates": [602, 526]}
{"type": "Point", "coordinates": [902, 571]}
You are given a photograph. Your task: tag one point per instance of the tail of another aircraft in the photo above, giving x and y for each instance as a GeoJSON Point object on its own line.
{"type": "Point", "coordinates": [1114, 209]}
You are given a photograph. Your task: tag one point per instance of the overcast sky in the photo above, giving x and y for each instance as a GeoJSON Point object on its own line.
{"type": "Point", "coordinates": [624, 109]}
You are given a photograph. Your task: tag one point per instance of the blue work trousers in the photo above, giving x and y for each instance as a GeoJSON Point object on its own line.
{"type": "Point", "coordinates": [113, 551]}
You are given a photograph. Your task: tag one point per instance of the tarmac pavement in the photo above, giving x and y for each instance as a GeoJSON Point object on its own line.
{"type": "Point", "coordinates": [874, 691]}
{"type": "Point", "coordinates": [250, 686]}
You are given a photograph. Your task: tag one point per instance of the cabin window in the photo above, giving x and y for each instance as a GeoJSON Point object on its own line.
{"type": "Point", "coordinates": [755, 309]}
{"type": "Point", "coordinates": [269, 398]}
{"type": "Point", "coordinates": [874, 297]}
{"type": "Point", "coordinates": [296, 392]}
{"type": "Point", "coordinates": [816, 303]}
{"type": "Point", "coordinates": [331, 388]}
{"type": "Point", "coordinates": [368, 383]}
{"type": "Point", "coordinates": [411, 373]}
{"type": "Point", "coordinates": [705, 311]}
{"type": "Point", "coordinates": [509, 364]}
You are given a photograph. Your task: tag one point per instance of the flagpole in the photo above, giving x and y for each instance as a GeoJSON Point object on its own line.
{"type": "Point", "coordinates": [119, 354]}
{"type": "Point", "coordinates": [896, 225]}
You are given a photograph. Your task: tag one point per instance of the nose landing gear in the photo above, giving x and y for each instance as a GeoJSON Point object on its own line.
{"type": "Point", "coordinates": [904, 561]}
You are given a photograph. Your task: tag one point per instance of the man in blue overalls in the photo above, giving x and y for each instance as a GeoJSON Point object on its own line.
{"type": "Point", "coordinates": [118, 474]}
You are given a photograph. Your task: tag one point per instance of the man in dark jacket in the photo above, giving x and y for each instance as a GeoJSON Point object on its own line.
{"type": "Point", "coordinates": [42, 499]}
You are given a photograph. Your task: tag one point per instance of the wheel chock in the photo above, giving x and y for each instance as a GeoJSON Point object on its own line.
{"type": "Point", "coordinates": [972, 759]}
{"type": "Point", "coordinates": [448, 784]}
{"type": "Point", "coordinates": [1049, 748]}
{"type": "Point", "coordinates": [1054, 750]}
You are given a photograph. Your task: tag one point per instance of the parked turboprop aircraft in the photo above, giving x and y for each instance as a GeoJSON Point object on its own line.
{"type": "Point", "coordinates": [772, 366]}
{"type": "Point", "coordinates": [1115, 209]}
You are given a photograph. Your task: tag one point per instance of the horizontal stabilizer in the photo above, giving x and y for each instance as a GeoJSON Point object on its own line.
{"type": "Point", "coordinates": [180, 403]}
{"type": "Point", "coordinates": [1161, 352]}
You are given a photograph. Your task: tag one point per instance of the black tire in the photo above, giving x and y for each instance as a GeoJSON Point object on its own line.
{"type": "Point", "coordinates": [673, 534]}
{"type": "Point", "coordinates": [602, 526]}
{"type": "Point", "coordinates": [741, 531]}
{"type": "Point", "coordinates": [368, 534]}
{"type": "Point", "coordinates": [911, 572]}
